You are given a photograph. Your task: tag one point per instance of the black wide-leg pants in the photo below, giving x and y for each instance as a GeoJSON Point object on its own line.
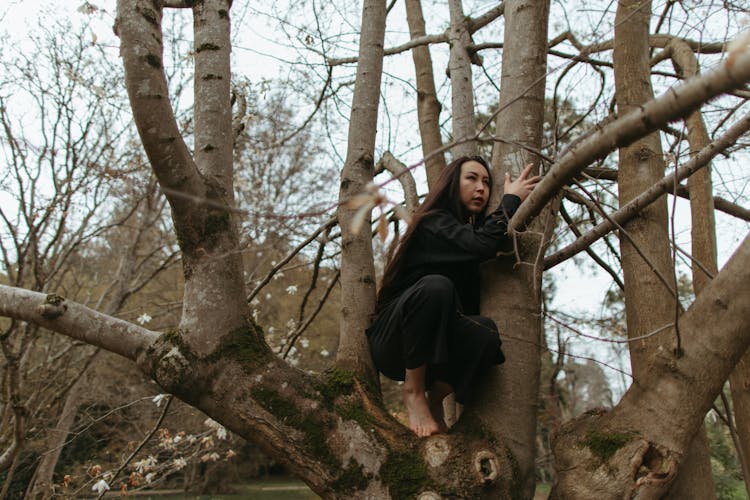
{"type": "Point", "coordinates": [423, 326]}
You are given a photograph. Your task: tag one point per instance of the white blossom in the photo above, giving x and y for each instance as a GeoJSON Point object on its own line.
{"type": "Point", "coordinates": [210, 457]}
{"type": "Point", "coordinates": [304, 343]}
{"type": "Point", "coordinates": [291, 289]}
{"type": "Point", "coordinates": [268, 296]}
{"type": "Point", "coordinates": [325, 353]}
{"type": "Point", "coordinates": [150, 477]}
{"type": "Point", "coordinates": [180, 463]}
{"type": "Point", "coordinates": [100, 487]}
{"type": "Point", "coordinates": [144, 318]}
{"type": "Point", "coordinates": [221, 431]}
{"type": "Point", "coordinates": [278, 275]}
{"type": "Point", "coordinates": [159, 398]}
{"type": "Point", "coordinates": [145, 464]}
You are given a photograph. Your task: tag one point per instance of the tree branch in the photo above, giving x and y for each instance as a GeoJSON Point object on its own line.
{"type": "Point", "coordinates": [76, 321]}
{"type": "Point", "coordinates": [400, 171]}
{"type": "Point", "coordinates": [631, 209]}
{"type": "Point", "coordinates": [139, 27]}
{"type": "Point", "coordinates": [675, 103]}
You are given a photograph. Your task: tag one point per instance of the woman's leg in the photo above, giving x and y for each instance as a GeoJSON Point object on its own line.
{"type": "Point", "coordinates": [438, 392]}
{"type": "Point", "coordinates": [421, 420]}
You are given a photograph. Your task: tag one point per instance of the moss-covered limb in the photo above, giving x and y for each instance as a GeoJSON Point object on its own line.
{"type": "Point", "coordinates": [606, 444]}
{"type": "Point", "coordinates": [326, 429]}
{"type": "Point", "coordinates": [618, 462]}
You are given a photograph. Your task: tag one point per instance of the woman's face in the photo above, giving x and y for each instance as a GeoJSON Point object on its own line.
{"type": "Point", "coordinates": [474, 186]}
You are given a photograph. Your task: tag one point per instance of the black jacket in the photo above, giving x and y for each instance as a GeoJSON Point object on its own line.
{"type": "Point", "coordinates": [441, 244]}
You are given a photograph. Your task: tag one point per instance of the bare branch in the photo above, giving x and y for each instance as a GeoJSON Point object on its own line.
{"type": "Point", "coordinates": [76, 321]}
{"type": "Point", "coordinates": [472, 25]}
{"type": "Point", "coordinates": [399, 170]}
{"type": "Point", "coordinates": [675, 103]}
{"type": "Point", "coordinates": [631, 209]}
{"type": "Point", "coordinates": [325, 227]}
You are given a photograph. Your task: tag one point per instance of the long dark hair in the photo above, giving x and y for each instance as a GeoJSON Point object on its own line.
{"type": "Point", "coordinates": [445, 195]}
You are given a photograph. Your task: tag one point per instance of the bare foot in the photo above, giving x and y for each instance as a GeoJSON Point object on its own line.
{"type": "Point", "coordinates": [435, 403]}
{"type": "Point", "coordinates": [435, 398]}
{"type": "Point", "coordinates": [420, 418]}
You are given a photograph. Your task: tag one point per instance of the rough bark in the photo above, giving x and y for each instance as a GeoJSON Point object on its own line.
{"type": "Point", "coordinates": [511, 294]}
{"type": "Point", "coordinates": [462, 89]}
{"type": "Point", "coordinates": [357, 265]}
{"type": "Point", "coordinates": [703, 238]}
{"type": "Point", "coordinates": [199, 191]}
{"type": "Point", "coordinates": [649, 303]}
{"type": "Point", "coordinates": [634, 451]}
{"type": "Point", "coordinates": [428, 106]}
{"type": "Point", "coordinates": [740, 386]}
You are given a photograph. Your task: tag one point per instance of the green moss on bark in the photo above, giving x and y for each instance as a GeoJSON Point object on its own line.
{"type": "Point", "coordinates": [404, 474]}
{"type": "Point", "coordinates": [604, 445]}
{"type": "Point", "coordinates": [314, 428]}
{"type": "Point", "coordinates": [244, 345]}
{"type": "Point", "coordinates": [353, 478]}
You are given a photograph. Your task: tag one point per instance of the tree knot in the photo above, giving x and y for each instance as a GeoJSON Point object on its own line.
{"type": "Point", "coordinates": [486, 465]}
{"type": "Point", "coordinates": [53, 307]}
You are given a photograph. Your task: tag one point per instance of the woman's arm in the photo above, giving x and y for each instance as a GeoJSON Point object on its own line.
{"type": "Point", "coordinates": [453, 241]}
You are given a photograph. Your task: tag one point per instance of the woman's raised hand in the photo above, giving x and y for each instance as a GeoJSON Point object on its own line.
{"type": "Point", "coordinates": [522, 186]}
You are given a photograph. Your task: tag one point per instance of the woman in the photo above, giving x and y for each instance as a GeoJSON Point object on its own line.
{"type": "Point", "coordinates": [426, 330]}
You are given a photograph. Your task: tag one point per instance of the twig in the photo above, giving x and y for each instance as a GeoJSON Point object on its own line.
{"type": "Point", "coordinates": [141, 445]}
{"type": "Point", "coordinates": [325, 227]}
{"type": "Point", "coordinates": [633, 207]}
{"type": "Point", "coordinates": [300, 329]}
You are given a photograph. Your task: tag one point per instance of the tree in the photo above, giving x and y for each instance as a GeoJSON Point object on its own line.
{"type": "Point", "coordinates": [332, 430]}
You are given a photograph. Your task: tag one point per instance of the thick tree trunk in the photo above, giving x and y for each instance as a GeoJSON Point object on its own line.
{"type": "Point", "coordinates": [199, 191]}
{"type": "Point", "coordinates": [635, 450]}
{"type": "Point", "coordinates": [649, 302]}
{"type": "Point", "coordinates": [462, 89]}
{"type": "Point", "coordinates": [740, 384]}
{"type": "Point", "coordinates": [357, 265]}
{"type": "Point", "coordinates": [428, 106]}
{"type": "Point", "coordinates": [511, 294]}
{"type": "Point", "coordinates": [703, 235]}
{"type": "Point", "coordinates": [695, 479]}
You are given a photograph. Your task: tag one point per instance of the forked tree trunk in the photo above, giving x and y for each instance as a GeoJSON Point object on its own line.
{"type": "Point", "coordinates": [428, 106]}
{"type": "Point", "coordinates": [634, 451]}
{"type": "Point", "coordinates": [511, 294]}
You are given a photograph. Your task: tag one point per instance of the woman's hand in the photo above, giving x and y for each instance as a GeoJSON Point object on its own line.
{"type": "Point", "coordinates": [522, 186]}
